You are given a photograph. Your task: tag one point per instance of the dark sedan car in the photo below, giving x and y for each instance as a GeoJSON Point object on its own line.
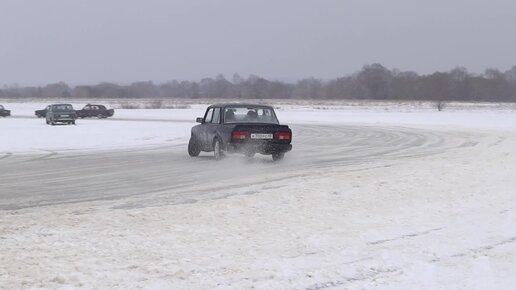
{"type": "Point", "coordinates": [99, 111]}
{"type": "Point", "coordinates": [240, 128]}
{"type": "Point", "coordinates": [61, 113]}
{"type": "Point", "coordinates": [4, 112]}
{"type": "Point", "coordinates": [42, 113]}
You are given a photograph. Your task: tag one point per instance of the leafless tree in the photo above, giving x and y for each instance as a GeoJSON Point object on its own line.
{"type": "Point", "coordinates": [374, 82]}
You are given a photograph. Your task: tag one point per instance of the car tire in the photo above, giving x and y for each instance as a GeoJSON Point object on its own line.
{"type": "Point", "coordinates": [249, 154]}
{"type": "Point", "coordinates": [46, 121]}
{"type": "Point", "coordinates": [278, 156]}
{"type": "Point", "coordinates": [193, 148]}
{"type": "Point", "coordinates": [73, 122]}
{"type": "Point", "coordinates": [100, 116]}
{"type": "Point", "coordinates": [218, 153]}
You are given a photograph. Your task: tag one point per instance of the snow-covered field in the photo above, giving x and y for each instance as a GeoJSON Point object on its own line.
{"type": "Point", "coordinates": [133, 127]}
{"type": "Point", "coordinates": [34, 136]}
{"type": "Point", "coordinates": [444, 220]}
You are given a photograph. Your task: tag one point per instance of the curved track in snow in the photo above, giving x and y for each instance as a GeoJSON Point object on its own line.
{"type": "Point", "coordinates": [168, 175]}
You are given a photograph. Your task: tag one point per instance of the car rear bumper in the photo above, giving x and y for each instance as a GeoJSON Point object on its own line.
{"type": "Point", "coordinates": [69, 119]}
{"type": "Point", "coordinates": [265, 148]}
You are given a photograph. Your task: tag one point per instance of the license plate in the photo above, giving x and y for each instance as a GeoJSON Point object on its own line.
{"type": "Point", "coordinates": [64, 116]}
{"type": "Point", "coordinates": [261, 136]}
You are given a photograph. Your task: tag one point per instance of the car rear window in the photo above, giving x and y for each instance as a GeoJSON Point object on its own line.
{"type": "Point", "coordinates": [249, 115]}
{"type": "Point", "coordinates": [62, 108]}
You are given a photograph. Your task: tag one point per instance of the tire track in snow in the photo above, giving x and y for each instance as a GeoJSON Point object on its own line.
{"type": "Point", "coordinates": [406, 236]}
{"type": "Point", "coordinates": [478, 250]}
{"type": "Point", "coordinates": [6, 155]}
{"type": "Point", "coordinates": [370, 275]}
{"type": "Point", "coordinates": [170, 175]}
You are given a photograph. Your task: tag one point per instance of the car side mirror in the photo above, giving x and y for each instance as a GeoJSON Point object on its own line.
{"type": "Point", "coordinates": [199, 120]}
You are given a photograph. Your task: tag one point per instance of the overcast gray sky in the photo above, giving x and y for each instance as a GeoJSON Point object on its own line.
{"type": "Point", "coordinates": [88, 41]}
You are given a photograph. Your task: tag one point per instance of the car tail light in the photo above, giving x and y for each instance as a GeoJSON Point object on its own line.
{"type": "Point", "coordinates": [283, 135]}
{"type": "Point", "coordinates": [241, 135]}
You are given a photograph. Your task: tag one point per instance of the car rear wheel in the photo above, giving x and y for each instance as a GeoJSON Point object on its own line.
{"type": "Point", "coordinates": [100, 116]}
{"type": "Point", "coordinates": [278, 156]}
{"type": "Point", "coordinates": [217, 150]}
{"type": "Point", "coordinates": [193, 148]}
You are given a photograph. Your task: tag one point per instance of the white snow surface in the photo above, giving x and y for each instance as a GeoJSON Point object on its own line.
{"type": "Point", "coordinates": [134, 127]}
{"type": "Point", "coordinates": [34, 136]}
{"type": "Point", "coordinates": [437, 222]}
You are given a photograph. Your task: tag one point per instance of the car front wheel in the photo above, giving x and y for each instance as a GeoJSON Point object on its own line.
{"type": "Point", "coordinates": [193, 148]}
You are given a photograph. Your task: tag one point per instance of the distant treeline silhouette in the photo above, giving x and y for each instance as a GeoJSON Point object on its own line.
{"type": "Point", "coordinates": [372, 82]}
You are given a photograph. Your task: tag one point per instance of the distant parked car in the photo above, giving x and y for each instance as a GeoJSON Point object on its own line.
{"type": "Point", "coordinates": [42, 113]}
{"type": "Point", "coordinates": [99, 111]}
{"type": "Point", "coordinates": [239, 128]}
{"type": "Point", "coordinates": [4, 112]}
{"type": "Point", "coordinates": [60, 113]}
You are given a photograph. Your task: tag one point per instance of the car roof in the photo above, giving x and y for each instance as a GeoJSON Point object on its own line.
{"type": "Point", "coordinates": [240, 105]}
{"type": "Point", "coordinates": [54, 105]}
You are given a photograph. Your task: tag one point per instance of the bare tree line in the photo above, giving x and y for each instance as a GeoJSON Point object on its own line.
{"type": "Point", "coordinates": [372, 82]}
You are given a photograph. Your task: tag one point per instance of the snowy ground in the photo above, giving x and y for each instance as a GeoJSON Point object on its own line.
{"type": "Point", "coordinates": [439, 214]}
{"type": "Point", "coordinates": [134, 127]}
{"type": "Point", "coordinates": [34, 136]}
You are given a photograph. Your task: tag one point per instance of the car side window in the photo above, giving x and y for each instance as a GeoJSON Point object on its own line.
{"type": "Point", "coordinates": [209, 115]}
{"type": "Point", "coordinates": [216, 116]}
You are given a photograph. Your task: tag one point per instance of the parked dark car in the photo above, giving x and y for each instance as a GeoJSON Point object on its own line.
{"type": "Point", "coordinates": [42, 113]}
{"type": "Point", "coordinates": [99, 111]}
{"type": "Point", "coordinates": [60, 113]}
{"type": "Point", "coordinates": [4, 112]}
{"type": "Point", "coordinates": [240, 128]}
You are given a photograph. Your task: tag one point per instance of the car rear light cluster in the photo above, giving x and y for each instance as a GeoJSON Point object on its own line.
{"type": "Point", "coordinates": [241, 135]}
{"type": "Point", "coordinates": [283, 136]}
